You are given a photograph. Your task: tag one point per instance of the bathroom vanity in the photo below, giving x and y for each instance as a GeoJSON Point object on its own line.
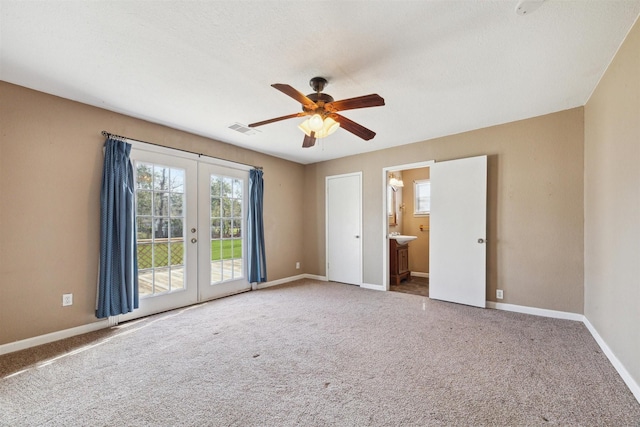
{"type": "Point", "coordinates": [398, 261]}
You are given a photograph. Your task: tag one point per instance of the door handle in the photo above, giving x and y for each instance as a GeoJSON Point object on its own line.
{"type": "Point", "coordinates": [357, 236]}
{"type": "Point", "coordinates": [482, 240]}
{"type": "Point", "coordinates": [194, 240]}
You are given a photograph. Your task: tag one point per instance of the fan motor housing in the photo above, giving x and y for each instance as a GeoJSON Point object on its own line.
{"type": "Point", "coordinates": [318, 84]}
{"type": "Point", "coordinates": [319, 98]}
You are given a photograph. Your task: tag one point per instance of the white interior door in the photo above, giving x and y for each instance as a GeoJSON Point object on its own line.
{"type": "Point", "coordinates": [222, 252]}
{"type": "Point", "coordinates": [457, 245]}
{"type": "Point", "coordinates": [344, 228]}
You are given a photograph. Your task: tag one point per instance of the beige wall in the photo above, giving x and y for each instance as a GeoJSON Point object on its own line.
{"type": "Point", "coordinates": [612, 206]}
{"type": "Point", "coordinates": [535, 206]}
{"type": "Point", "coordinates": [50, 171]}
{"type": "Point", "coordinates": [50, 174]}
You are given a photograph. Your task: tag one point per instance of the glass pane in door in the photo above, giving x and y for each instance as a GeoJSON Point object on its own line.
{"type": "Point", "coordinates": [160, 228]}
{"type": "Point", "coordinates": [226, 228]}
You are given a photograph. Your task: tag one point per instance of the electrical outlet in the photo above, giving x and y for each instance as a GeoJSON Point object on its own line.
{"type": "Point", "coordinates": [298, 265]}
{"type": "Point", "coordinates": [67, 299]}
{"type": "Point", "coordinates": [499, 294]}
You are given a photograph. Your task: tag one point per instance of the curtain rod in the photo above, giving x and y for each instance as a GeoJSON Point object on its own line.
{"type": "Point", "coordinates": [108, 134]}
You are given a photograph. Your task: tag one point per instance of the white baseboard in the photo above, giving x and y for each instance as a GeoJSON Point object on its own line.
{"type": "Point", "coordinates": [536, 311]}
{"type": "Point", "coordinates": [316, 277]}
{"type": "Point", "coordinates": [634, 387]}
{"type": "Point", "coordinates": [311, 276]}
{"type": "Point", "coordinates": [290, 279]}
{"type": "Point", "coordinates": [626, 376]}
{"type": "Point", "coordinates": [419, 274]}
{"type": "Point", "coordinates": [371, 286]}
{"type": "Point", "coordinates": [53, 336]}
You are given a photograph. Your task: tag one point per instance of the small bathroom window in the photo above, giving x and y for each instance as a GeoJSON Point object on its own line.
{"type": "Point", "coordinates": [422, 197]}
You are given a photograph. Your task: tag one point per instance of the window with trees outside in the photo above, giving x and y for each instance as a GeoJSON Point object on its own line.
{"type": "Point", "coordinates": [160, 228]}
{"type": "Point", "coordinates": [422, 197]}
{"type": "Point", "coordinates": [226, 228]}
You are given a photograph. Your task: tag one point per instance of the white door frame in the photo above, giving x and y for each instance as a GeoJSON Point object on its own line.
{"type": "Point", "coordinates": [326, 225]}
{"type": "Point", "coordinates": [385, 216]}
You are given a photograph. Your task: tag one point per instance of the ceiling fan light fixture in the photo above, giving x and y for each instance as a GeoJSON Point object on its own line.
{"type": "Point", "coordinates": [304, 127]}
{"type": "Point", "coordinates": [316, 122]}
{"type": "Point", "coordinates": [321, 111]}
{"type": "Point", "coordinates": [328, 127]}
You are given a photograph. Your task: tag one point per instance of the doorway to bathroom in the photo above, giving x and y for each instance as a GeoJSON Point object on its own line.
{"type": "Point", "coordinates": [451, 221]}
{"type": "Point", "coordinates": [407, 228]}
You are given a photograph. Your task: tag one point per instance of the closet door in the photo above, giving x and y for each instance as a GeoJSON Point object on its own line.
{"type": "Point", "coordinates": [344, 228]}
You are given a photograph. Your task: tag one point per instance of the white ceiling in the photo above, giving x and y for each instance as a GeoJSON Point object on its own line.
{"type": "Point", "coordinates": [443, 67]}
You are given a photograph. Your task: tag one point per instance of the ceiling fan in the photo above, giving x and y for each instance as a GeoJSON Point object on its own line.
{"type": "Point", "coordinates": [323, 111]}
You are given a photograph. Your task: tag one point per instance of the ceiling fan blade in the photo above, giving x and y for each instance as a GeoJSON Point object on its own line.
{"type": "Point", "coordinates": [298, 96]}
{"type": "Point", "coordinates": [373, 100]}
{"type": "Point", "coordinates": [309, 141]}
{"type": "Point", "coordinates": [277, 119]}
{"type": "Point", "coordinates": [353, 127]}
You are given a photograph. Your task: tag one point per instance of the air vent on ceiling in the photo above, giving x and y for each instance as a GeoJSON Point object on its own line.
{"type": "Point", "coordinates": [238, 127]}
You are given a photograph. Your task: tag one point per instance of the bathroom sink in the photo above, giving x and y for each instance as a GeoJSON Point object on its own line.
{"type": "Point", "coordinates": [402, 239]}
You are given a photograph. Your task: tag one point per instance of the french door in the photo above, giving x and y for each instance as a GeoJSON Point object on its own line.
{"type": "Point", "coordinates": [190, 229]}
{"type": "Point", "coordinates": [222, 223]}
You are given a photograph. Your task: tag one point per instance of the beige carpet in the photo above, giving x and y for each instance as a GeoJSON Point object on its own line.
{"type": "Point", "coordinates": [319, 354]}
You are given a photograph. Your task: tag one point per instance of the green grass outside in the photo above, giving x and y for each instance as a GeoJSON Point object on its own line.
{"type": "Point", "coordinates": [229, 249]}
{"type": "Point", "coordinates": [226, 250]}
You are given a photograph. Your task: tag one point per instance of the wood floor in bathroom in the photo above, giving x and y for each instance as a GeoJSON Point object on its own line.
{"type": "Point", "coordinates": [414, 285]}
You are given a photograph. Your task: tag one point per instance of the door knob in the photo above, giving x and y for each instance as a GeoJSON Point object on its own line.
{"type": "Point", "coordinates": [482, 241]}
{"type": "Point", "coordinates": [193, 230]}
{"type": "Point", "coordinates": [357, 236]}
{"type": "Point", "coordinates": [194, 240]}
